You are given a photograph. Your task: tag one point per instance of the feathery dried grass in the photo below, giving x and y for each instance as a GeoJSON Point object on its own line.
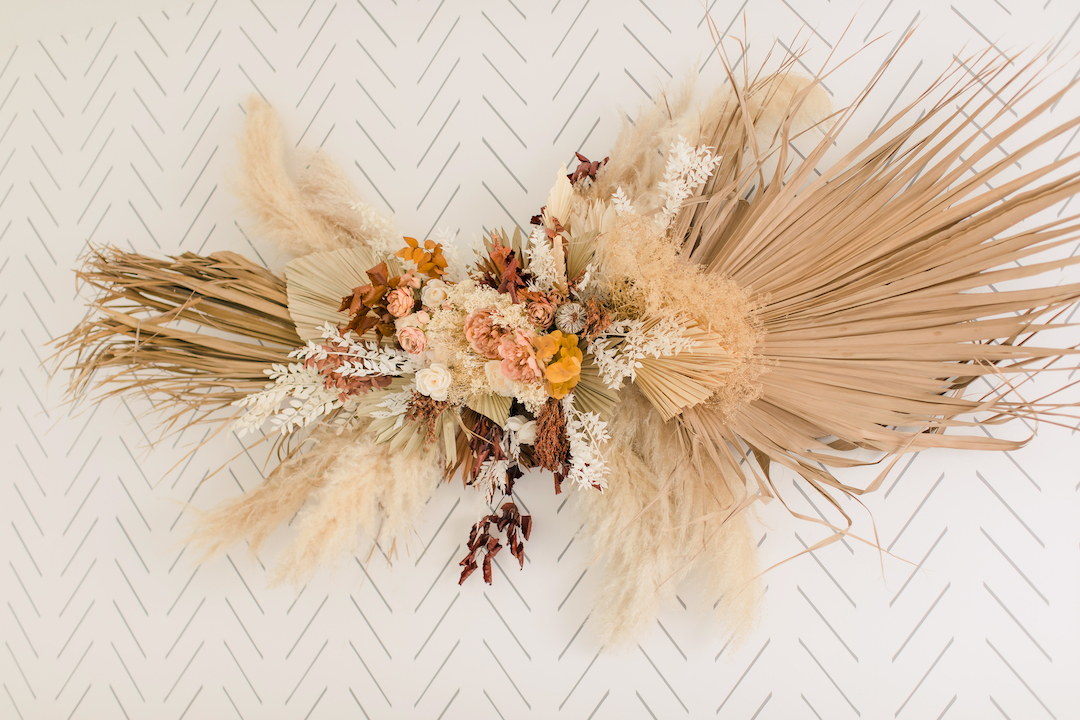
{"type": "Point", "coordinates": [644, 276]}
{"type": "Point", "coordinates": [257, 514]}
{"type": "Point", "coordinates": [367, 490]}
{"type": "Point", "coordinates": [353, 486]}
{"type": "Point", "coordinates": [664, 516]}
{"type": "Point", "coordinates": [322, 211]}
{"type": "Point", "coordinates": [134, 335]}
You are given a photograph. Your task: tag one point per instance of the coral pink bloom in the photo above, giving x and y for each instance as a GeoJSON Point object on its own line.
{"type": "Point", "coordinates": [519, 357]}
{"type": "Point", "coordinates": [483, 334]}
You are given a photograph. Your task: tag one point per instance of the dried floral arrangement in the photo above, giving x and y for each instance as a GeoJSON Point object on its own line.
{"type": "Point", "coordinates": [683, 314]}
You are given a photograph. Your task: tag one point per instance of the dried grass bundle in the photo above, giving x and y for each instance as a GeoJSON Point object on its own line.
{"type": "Point", "coordinates": [139, 333]}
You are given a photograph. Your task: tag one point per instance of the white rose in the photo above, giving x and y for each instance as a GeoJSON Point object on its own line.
{"type": "Point", "coordinates": [500, 384]}
{"type": "Point", "coordinates": [434, 294]}
{"type": "Point", "coordinates": [524, 428]}
{"type": "Point", "coordinates": [433, 381]}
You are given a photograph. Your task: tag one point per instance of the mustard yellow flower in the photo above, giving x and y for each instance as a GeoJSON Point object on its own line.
{"type": "Point", "coordinates": [560, 354]}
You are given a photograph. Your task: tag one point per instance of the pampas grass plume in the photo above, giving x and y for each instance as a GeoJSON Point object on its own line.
{"type": "Point", "coordinates": [368, 492]}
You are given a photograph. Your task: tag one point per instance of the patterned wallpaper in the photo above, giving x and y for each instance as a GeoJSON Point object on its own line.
{"type": "Point", "coordinates": [457, 114]}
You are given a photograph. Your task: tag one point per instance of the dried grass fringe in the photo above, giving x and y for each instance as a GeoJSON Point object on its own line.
{"type": "Point", "coordinates": [196, 331]}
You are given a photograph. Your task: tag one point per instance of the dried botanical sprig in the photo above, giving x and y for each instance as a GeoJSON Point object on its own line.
{"type": "Point", "coordinates": [510, 521]}
{"type": "Point", "coordinates": [551, 450]}
{"type": "Point", "coordinates": [424, 412]}
{"type": "Point", "coordinates": [586, 169]}
{"type": "Point", "coordinates": [429, 260]}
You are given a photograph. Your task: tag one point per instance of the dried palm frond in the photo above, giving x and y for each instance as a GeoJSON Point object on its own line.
{"type": "Point", "coordinates": [199, 330]}
{"type": "Point", "coordinates": [317, 283]}
{"type": "Point", "coordinates": [863, 284]}
{"type": "Point", "coordinates": [866, 274]}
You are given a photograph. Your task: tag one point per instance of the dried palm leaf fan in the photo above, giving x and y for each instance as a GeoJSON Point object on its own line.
{"type": "Point", "coordinates": [698, 298]}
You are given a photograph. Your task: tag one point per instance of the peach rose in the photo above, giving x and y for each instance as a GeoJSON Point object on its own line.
{"type": "Point", "coordinates": [412, 340]}
{"type": "Point", "coordinates": [399, 302]}
{"type": "Point", "coordinates": [483, 334]}
{"type": "Point", "coordinates": [519, 357]}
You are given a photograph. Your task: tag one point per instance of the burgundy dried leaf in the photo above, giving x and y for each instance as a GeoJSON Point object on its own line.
{"type": "Point", "coordinates": [509, 520]}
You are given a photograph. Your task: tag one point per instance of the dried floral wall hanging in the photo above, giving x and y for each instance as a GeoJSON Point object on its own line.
{"type": "Point", "coordinates": [685, 314]}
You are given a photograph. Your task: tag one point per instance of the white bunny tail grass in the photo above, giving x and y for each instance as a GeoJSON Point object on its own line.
{"type": "Point", "coordinates": [320, 212]}
{"type": "Point", "coordinates": [664, 516]}
{"type": "Point", "coordinates": [366, 491]}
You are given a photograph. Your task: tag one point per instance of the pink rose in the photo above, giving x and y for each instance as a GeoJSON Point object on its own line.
{"type": "Point", "coordinates": [412, 340]}
{"type": "Point", "coordinates": [399, 302]}
{"type": "Point", "coordinates": [519, 357]}
{"type": "Point", "coordinates": [483, 334]}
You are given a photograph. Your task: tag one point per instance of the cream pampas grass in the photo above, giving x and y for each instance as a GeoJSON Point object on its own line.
{"type": "Point", "coordinates": [320, 212]}
{"type": "Point", "coordinates": [368, 492]}
{"type": "Point", "coordinates": [661, 517]}
{"type": "Point", "coordinates": [255, 515]}
{"type": "Point", "coordinates": [348, 488]}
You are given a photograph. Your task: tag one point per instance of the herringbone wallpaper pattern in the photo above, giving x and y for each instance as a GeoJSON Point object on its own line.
{"type": "Point", "coordinates": [456, 114]}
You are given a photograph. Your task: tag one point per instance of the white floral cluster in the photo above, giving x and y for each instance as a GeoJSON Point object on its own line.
{"type": "Point", "coordinates": [541, 261]}
{"type": "Point", "coordinates": [587, 434]}
{"type": "Point", "coordinates": [302, 390]}
{"type": "Point", "coordinates": [688, 167]}
{"type": "Point", "coordinates": [586, 277]}
{"type": "Point", "coordinates": [379, 231]}
{"type": "Point", "coordinates": [622, 203]}
{"type": "Point", "coordinates": [626, 343]}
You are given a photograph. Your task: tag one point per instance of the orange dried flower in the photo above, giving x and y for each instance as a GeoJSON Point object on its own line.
{"type": "Point", "coordinates": [429, 259]}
